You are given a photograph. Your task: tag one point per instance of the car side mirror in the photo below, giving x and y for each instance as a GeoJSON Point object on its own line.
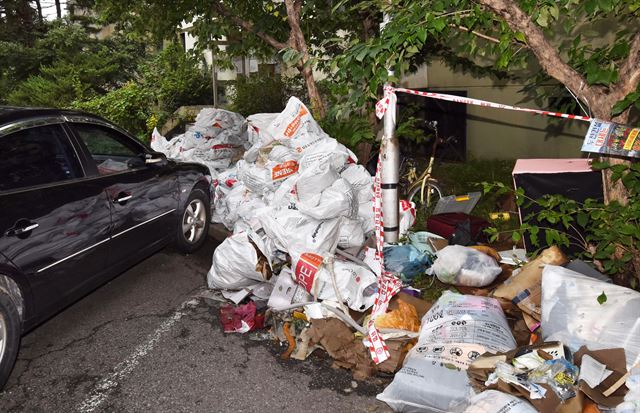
{"type": "Point", "coordinates": [155, 158]}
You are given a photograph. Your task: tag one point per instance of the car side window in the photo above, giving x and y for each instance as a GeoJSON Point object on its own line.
{"type": "Point", "coordinates": [111, 151]}
{"type": "Point", "coordinates": [37, 156]}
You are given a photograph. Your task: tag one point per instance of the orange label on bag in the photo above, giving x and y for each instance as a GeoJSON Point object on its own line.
{"type": "Point", "coordinates": [284, 170]}
{"type": "Point", "coordinates": [307, 268]}
{"type": "Point", "coordinates": [295, 124]}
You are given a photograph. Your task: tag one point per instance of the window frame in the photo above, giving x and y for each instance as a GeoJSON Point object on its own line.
{"type": "Point", "coordinates": [92, 166]}
{"type": "Point", "coordinates": [44, 121]}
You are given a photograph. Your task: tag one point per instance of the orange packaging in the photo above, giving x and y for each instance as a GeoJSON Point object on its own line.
{"type": "Point", "coordinates": [295, 123]}
{"type": "Point", "coordinates": [306, 269]}
{"type": "Point", "coordinates": [284, 170]}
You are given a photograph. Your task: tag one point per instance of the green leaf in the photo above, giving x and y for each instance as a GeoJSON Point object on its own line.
{"type": "Point", "coordinates": [516, 236]}
{"type": "Point", "coordinates": [520, 37]}
{"type": "Point", "coordinates": [439, 24]}
{"type": "Point", "coordinates": [582, 219]}
{"type": "Point", "coordinates": [543, 18]}
{"type": "Point", "coordinates": [602, 298]}
{"type": "Point", "coordinates": [422, 35]}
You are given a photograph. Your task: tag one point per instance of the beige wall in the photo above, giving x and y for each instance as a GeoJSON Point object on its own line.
{"type": "Point", "coordinates": [497, 133]}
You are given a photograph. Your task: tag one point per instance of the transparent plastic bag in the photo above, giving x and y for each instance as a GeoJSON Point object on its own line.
{"type": "Point", "coordinates": [572, 313]}
{"type": "Point", "coordinates": [464, 266]}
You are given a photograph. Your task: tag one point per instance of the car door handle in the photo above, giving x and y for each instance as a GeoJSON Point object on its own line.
{"type": "Point", "coordinates": [22, 227]}
{"type": "Point", "coordinates": [122, 198]}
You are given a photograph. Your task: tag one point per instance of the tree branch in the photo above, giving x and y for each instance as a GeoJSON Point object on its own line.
{"type": "Point", "coordinates": [547, 55]}
{"type": "Point", "coordinates": [629, 74]}
{"type": "Point", "coordinates": [249, 26]}
{"type": "Point", "coordinates": [476, 33]}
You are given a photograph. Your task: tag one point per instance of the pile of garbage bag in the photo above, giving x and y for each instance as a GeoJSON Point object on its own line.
{"type": "Point", "coordinates": [301, 261]}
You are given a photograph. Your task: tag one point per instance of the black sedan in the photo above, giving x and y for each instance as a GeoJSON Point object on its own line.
{"type": "Point", "coordinates": [81, 201]}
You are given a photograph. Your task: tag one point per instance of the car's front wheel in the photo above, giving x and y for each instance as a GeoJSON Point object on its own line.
{"type": "Point", "coordinates": [10, 332]}
{"type": "Point", "coordinates": [194, 222]}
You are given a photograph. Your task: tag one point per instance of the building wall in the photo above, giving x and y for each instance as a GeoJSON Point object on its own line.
{"type": "Point", "coordinates": [497, 133]}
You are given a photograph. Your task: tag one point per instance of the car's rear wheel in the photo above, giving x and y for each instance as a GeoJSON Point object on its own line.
{"type": "Point", "coordinates": [194, 222]}
{"type": "Point", "coordinates": [10, 333]}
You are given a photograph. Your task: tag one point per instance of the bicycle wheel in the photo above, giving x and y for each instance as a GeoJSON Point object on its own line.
{"type": "Point", "coordinates": [425, 201]}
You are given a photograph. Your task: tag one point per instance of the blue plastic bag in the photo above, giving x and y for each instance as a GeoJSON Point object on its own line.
{"type": "Point", "coordinates": [406, 260]}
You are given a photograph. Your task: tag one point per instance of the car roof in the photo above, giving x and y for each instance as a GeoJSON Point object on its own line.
{"type": "Point", "coordinates": [10, 114]}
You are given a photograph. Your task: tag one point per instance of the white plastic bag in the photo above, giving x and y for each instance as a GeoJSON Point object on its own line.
{"type": "Point", "coordinates": [494, 401]}
{"type": "Point", "coordinates": [572, 314]}
{"type": "Point", "coordinates": [407, 211]}
{"type": "Point", "coordinates": [234, 264]}
{"type": "Point", "coordinates": [454, 332]}
{"type": "Point", "coordinates": [464, 266]}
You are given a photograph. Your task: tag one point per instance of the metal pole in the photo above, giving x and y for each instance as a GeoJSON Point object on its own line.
{"type": "Point", "coordinates": [214, 80]}
{"type": "Point", "coordinates": [390, 166]}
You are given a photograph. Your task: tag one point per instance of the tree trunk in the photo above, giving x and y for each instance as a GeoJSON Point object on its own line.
{"type": "Point", "coordinates": [58, 9]}
{"type": "Point", "coordinates": [39, 9]}
{"type": "Point", "coordinates": [317, 105]}
{"type": "Point", "coordinates": [300, 44]}
{"type": "Point", "coordinates": [296, 41]}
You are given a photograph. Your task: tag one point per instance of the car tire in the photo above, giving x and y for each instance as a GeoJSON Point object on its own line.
{"type": "Point", "coordinates": [10, 333]}
{"type": "Point", "coordinates": [193, 227]}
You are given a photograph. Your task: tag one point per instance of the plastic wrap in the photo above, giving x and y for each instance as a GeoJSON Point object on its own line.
{"type": "Point", "coordinates": [572, 313]}
{"type": "Point", "coordinates": [464, 266]}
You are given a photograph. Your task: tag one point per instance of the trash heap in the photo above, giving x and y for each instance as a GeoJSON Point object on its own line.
{"type": "Point", "coordinates": [550, 335]}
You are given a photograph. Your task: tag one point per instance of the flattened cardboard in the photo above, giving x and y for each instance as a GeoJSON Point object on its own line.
{"type": "Point", "coordinates": [480, 369]}
{"type": "Point", "coordinates": [615, 360]}
{"type": "Point", "coordinates": [524, 288]}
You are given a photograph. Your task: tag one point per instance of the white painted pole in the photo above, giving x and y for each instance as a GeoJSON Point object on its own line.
{"type": "Point", "coordinates": [390, 166]}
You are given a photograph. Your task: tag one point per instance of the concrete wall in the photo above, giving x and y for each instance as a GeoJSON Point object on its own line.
{"type": "Point", "coordinates": [497, 133]}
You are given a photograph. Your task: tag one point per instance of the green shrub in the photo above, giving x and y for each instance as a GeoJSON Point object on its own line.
{"type": "Point", "coordinates": [128, 106]}
{"type": "Point", "coordinates": [263, 93]}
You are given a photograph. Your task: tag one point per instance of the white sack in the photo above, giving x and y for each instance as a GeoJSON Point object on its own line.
{"type": "Point", "coordinates": [356, 284]}
{"type": "Point", "coordinates": [234, 264]}
{"type": "Point", "coordinates": [328, 151]}
{"type": "Point", "coordinates": [335, 201]}
{"type": "Point", "coordinates": [365, 215]}
{"type": "Point", "coordinates": [465, 266]}
{"type": "Point", "coordinates": [219, 120]}
{"type": "Point", "coordinates": [234, 202]}
{"type": "Point", "coordinates": [351, 234]}
{"type": "Point", "coordinates": [258, 135]}
{"type": "Point", "coordinates": [285, 196]}
{"type": "Point", "coordinates": [280, 153]}
{"type": "Point", "coordinates": [360, 180]}
{"type": "Point", "coordinates": [295, 128]}
{"type": "Point", "coordinates": [295, 231]}
{"type": "Point", "coordinates": [571, 313]}
{"type": "Point", "coordinates": [454, 332]}
{"type": "Point", "coordinates": [494, 401]}
{"type": "Point", "coordinates": [312, 181]}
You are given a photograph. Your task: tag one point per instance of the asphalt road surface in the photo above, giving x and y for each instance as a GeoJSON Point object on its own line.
{"type": "Point", "coordinates": [147, 342]}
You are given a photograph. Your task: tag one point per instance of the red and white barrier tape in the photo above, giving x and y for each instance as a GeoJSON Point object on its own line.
{"type": "Point", "coordinates": [388, 284]}
{"type": "Point", "coordinates": [390, 96]}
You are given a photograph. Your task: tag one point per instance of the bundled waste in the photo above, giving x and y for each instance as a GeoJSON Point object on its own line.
{"type": "Point", "coordinates": [549, 336]}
